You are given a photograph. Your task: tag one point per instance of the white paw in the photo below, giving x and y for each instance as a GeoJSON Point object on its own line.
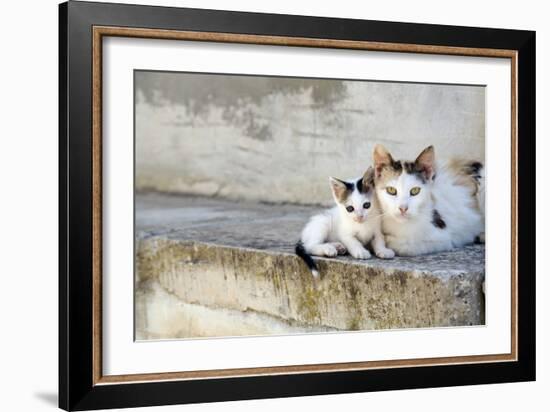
{"type": "Point", "coordinates": [329, 250]}
{"type": "Point", "coordinates": [360, 253]}
{"type": "Point", "coordinates": [340, 248]}
{"type": "Point", "coordinates": [385, 253]}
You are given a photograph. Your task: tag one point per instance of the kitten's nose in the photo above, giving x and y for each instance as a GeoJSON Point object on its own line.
{"type": "Point", "coordinates": [403, 209]}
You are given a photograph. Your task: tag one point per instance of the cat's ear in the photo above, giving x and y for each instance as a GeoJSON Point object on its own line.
{"type": "Point", "coordinates": [382, 158]}
{"type": "Point", "coordinates": [368, 178]}
{"type": "Point", "coordinates": [425, 162]}
{"type": "Point", "coordinates": [339, 189]}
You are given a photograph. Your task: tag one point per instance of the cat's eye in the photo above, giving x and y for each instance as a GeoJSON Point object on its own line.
{"type": "Point", "coordinates": [366, 205]}
{"type": "Point", "coordinates": [391, 190]}
{"type": "Point", "coordinates": [415, 191]}
{"type": "Point", "coordinates": [350, 209]}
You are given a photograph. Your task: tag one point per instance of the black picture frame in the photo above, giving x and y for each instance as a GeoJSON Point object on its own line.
{"type": "Point", "coordinates": [77, 389]}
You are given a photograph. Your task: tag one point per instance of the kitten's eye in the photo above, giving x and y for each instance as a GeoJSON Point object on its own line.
{"type": "Point", "coordinates": [349, 209]}
{"type": "Point", "coordinates": [391, 190]}
{"type": "Point", "coordinates": [415, 191]}
{"type": "Point", "coordinates": [366, 205]}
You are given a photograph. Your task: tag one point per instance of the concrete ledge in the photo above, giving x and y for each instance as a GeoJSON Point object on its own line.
{"type": "Point", "coordinates": [227, 269]}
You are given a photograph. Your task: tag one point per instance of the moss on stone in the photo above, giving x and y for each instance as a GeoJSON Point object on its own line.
{"type": "Point", "coordinates": [308, 305]}
{"type": "Point", "coordinates": [348, 296]}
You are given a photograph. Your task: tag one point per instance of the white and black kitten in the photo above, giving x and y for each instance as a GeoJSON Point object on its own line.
{"type": "Point", "coordinates": [348, 227]}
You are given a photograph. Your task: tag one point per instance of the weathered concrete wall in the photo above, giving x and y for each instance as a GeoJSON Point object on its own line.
{"type": "Point", "coordinates": [221, 291]}
{"type": "Point", "coordinates": [163, 315]}
{"type": "Point", "coordinates": [278, 139]}
{"type": "Point", "coordinates": [213, 267]}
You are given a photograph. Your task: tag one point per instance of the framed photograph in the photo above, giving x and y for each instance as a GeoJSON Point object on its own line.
{"type": "Point", "coordinates": [256, 205]}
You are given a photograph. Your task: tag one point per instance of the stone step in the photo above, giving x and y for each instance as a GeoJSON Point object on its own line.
{"type": "Point", "coordinates": [211, 267]}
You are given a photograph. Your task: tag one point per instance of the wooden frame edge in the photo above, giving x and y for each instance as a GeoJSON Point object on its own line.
{"type": "Point", "coordinates": [297, 41]}
{"type": "Point", "coordinates": [297, 369]}
{"type": "Point", "coordinates": [97, 358]}
{"type": "Point", "coordinates": [97, 34]}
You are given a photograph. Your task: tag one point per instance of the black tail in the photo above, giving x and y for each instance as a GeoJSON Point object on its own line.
{"type": "Point", "coordinates": [301, 251]}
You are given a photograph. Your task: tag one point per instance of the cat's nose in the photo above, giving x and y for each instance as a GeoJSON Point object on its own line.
{"type": "Point", "coordinates": [403, 209]}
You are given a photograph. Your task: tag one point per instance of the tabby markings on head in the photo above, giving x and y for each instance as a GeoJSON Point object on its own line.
{"type": "Point", "coordinates": [343, 190]}
{"type": "Point", "coordinates": [363, 186]}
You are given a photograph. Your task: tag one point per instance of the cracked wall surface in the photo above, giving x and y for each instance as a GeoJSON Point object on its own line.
{"type": "Point", "coordinates": [278, 139]}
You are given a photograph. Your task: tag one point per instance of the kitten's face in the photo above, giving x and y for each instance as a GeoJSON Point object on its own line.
{"type": "Point", "coordinates": [354, 198]}
{"type": "Point", "coordinates": [403, 188]}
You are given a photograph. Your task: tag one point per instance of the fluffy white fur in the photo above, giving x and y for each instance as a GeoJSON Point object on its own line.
{"type": "Point", "coordinates": [413, 231]}
{"type": "Point", "coordinates": [337, 231]}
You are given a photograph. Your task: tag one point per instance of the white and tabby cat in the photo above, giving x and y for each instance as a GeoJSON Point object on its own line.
{"type": "Point", "coordinates": [429, 207]}
{"type": "Point", "coordinates": [348, 227]}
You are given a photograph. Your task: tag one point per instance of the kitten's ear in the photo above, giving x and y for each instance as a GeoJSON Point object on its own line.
{"type": "Point", "coordinates": [368, 177]}
{"type": "Point", "coordinates": [339, 189]}
{"type": "Point", "coordinates": [382, 158]}
{"type": "Point", "coordinates": [425, 162]}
